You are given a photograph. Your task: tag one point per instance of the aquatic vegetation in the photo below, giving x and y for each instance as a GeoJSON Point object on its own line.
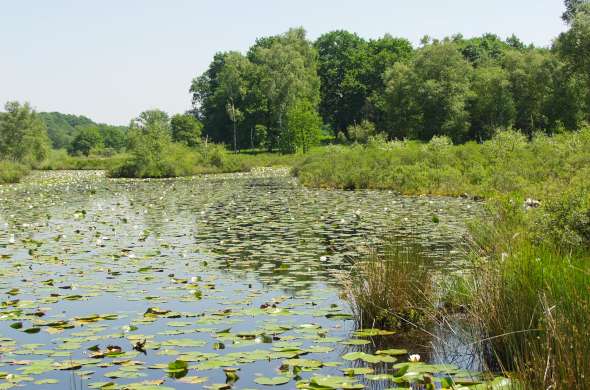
{"type": "Point", "coordinates": [100, 279]}
{"type": "Point", "coordinates": [11, 172]}
{"type": "Point", "coordinates": [531, 297]}
{"type": "Point", "coordinates": [392, 289]}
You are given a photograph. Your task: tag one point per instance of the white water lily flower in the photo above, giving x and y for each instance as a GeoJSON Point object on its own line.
{"type": "Point", "coordinates": [194, 280]}
{"type": "Point", "coordinates": [415, 358]}
{"type": "Point", "coordinates": [11, 239]}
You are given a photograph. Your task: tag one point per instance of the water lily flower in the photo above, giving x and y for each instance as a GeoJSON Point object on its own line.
{"type": "Point", "coordinates": [11, 239]}
{"type": "Point", "coordinates": [415, 358]}
{"type": "Point", "coordinates": [194, 280]}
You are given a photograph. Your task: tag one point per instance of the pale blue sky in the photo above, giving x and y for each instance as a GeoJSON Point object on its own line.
{"type": "Point", "coordinates": [111, 59]}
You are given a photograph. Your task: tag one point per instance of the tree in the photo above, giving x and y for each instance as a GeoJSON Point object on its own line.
{"type": "Point", "coordinates": [491, 105]}
{"type": "Point", "coordinates": [23, 135]}
{"type": "Point", "coordinates": [87, 138]}
{"type": "Point", "coordinates": [574, 45]}
{"type": "Point", "coordinates": [303, 128]}
{"type": "Point", "coordinates": [287, 73]}
{"type": "Point", "coordinates": [114, 137]}
{"type": "Point", "coordinates": [341, 60]}
{"type": "Point", "coordinates": [233, 87]}
{"type": "Point", "coordinates": [206, 101]}
{"type": "Point", "coordinates": [429, 97]}
{"type": "Point", "coordinates": [186, 129]}
{"type": "Point", "coordinates": [149, 138]}
{"type": "Point", "coordinates": [572, 7]}
{"type": "Point", "coordinates": [382, 54]}
{"type": "Point", "coordinates": [530, 85]}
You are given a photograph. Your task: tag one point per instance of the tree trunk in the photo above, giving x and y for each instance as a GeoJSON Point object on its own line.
{"type": "Point", "coordinates": [233, 109]}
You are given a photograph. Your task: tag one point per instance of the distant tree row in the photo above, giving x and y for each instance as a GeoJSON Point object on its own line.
{"type": "Point", "coordinates": [461, 88]}
{"type": "Point", "coordinates": [81, 135]}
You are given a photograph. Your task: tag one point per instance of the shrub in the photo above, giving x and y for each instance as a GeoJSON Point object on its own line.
{"type": "Point", "coordinates": [11, 172]}
{"type": "Point", "coordinates": [360, 133]}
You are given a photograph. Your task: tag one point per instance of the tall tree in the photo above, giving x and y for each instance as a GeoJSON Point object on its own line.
{"type": "Point", "coordinates": [288, 73]}
{"type": "Point", "coordinates": [209, 110]}
{"type": "Point", "coordinates": [86, 139]}
{"type": "Point", "coordinates": [23, 135]}
{"type": "Point", "coordinates": [186, 129]}
{"type": "Point", "coordinates": [233, 87]}
{"type": "Point", "coordinates": [571, 9]}
{"type": "Point", "coordinates": [303, 128]}
{"type": "Point", "coordinates": [574, 45]}
{"type": "Point", "coordinates": [491, 105]}
{"type": "Point", "coordinates": [429, 97]}
{"type": "Point", "coordinates": [342, 58]}
{"type": "Point", "coordinates": [382, 54]}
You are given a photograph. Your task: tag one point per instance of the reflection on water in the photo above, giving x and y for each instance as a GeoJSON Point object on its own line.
{"type": "Point", "coordinates": [228, 258]}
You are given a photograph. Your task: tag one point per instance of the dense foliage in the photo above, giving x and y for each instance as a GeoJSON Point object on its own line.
{"type": "Point", "coordinates": [81, 135]}
{"type": "Point", "coordinates": [465, 89]}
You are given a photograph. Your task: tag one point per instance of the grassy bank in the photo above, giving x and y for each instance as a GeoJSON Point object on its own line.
{"type": "Point", "coordinates": [11, 172]}
{"type": "Point", "coordinates": [179, 160]}
{"type": "Point", "coordinates": [530, 294]}
{"type": "Point", "coordinates": [61, 160]}
{"type": "Point", "coordinates": [505, 164]}
{"type": "Point", "coordinates": [528, 299]}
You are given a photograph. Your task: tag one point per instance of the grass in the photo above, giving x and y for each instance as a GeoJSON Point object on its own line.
{"type": "Point", "coordinates": [61, 160]}
{"type": "Point", "coordinates": [11, 172]}
{"type": "Point", "coordinates": [392, 290]}
{"type": "Point", "coordinates": [505, 164]}
{"type": "Point", "coordinates": [179, 160]}
{"type": "Point", "coordinates": [528, 297]}
{"type": "Point", "coordinates": [531, 294]}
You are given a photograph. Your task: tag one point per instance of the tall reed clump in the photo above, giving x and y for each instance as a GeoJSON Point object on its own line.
{"type": "Point", "coordinates": [11, 172]}
{"type": "Point", "coordinates": [531, 292]}
{"type": "Point", "coordinates": [392, 290]}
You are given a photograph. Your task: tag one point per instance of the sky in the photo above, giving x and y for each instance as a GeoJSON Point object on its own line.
{"type": "Point", "coordinates": [112, 59]}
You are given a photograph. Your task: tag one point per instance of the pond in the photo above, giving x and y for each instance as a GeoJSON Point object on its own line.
{"type": "Point", "coordinates": [197, 282]}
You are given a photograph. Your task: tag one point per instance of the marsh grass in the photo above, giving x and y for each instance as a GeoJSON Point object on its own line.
{"type": "Point", "coordinates": [507, 163]}
{"type": "Point", "coordinates": [61, 160]}
{"type": "Point", "coordinates": [392, 290]}
{"type": "Point", "coordinates": [531, 302]}
{"type": "Point", "coordinates": [11, 172]}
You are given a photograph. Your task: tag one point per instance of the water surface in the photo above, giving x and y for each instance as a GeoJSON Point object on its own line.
{"type": "Point", "coordinates": [227, 271]}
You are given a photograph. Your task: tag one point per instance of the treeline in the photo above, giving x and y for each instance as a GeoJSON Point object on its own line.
{"type": "Point", "coordinates": [80, 135]}
{"type": "Point", "coordinates": [351, 87]}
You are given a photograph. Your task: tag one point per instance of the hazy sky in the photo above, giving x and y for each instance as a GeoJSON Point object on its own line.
{"type": "Point", "coordinates": [111, 59]}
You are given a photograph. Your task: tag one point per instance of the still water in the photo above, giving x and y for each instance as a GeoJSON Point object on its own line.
{"type": "Point", "coordinates": [222, 272]}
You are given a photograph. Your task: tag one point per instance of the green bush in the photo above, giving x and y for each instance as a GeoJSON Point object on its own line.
{"type": "Point", "coordinates": [11, 172]}
{"type": "Point", "coordinates": [360, 133]}
{"type": "Point", "coordinates": [505, 164]}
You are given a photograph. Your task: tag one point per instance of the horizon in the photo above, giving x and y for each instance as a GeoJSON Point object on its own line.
{"type": "Point", "coordinates": [109, 63]}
